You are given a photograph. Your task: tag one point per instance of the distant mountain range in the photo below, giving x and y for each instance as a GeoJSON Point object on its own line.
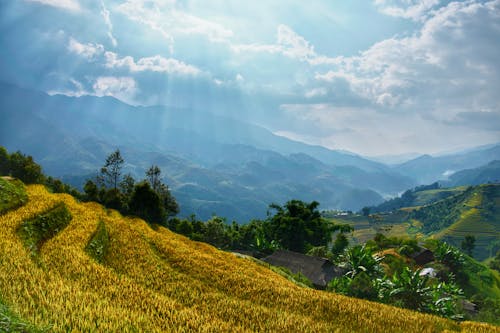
{"type": "Point", "coordinates": [427, 169]}
{"type": "Point", "coordinates": [213, 164]}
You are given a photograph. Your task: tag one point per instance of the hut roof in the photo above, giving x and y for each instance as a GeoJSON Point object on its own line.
{"type": "Point", "coordinates": [318, 270]}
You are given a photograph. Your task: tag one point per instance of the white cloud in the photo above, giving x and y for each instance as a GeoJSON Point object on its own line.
{"type": "Point", "coordinates": [88, 50]}
{"type": "Point", "coordinates": [316, 92]}
{"type": "Point", "coordinates": [71, 5]}
{"type": "Point", "coordinates": [239, 78]}
{"type": "Point", "coordinates": [155, 63]}
{"type": "Point", "coordinates": [416, 10]}
{"type": "Point", "coordinates": [165, 18]}
{"type": "Point", "coordinates": [291, 45]}
{"type": "Point", "coordinates": [119, 87]}
{"type": "Point", "coordinates": [107, 20]}
{"type": "Point", "coordinates": [448, 66]}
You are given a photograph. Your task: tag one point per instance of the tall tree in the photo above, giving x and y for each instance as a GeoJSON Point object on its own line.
{"type": "Point", "coordinates": [468, 244]}
{"type": "Point", "coordinates": [153, 175]}
{"type": "Point", "coordinates": [145, 203]}
{"type": "Point", "coordinates": [298, 226]}
{"type": "Point", "coordinates": [4, 162]}
{"type": "Point", "coordinates": [112, 169]}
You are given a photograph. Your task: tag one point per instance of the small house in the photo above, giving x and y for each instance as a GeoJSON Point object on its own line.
{"type": "Point", "coordinates": [319, 271]}
{"type": "Point", "coordinates": [423, 256]}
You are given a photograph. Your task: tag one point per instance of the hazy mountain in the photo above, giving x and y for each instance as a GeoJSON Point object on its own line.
{"type": "Point", "coordinates": [427, 169]}
{"type": "Point", "coordinates": [489, 173]}
{"type": "Point", "coordinates": [213, 164]}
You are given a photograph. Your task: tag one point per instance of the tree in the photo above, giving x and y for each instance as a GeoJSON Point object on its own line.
{"type": "Point", "coordinates": [340, 244]}
{"type": "Point", "coordinates": [127, 185]}
{"type": "Point", "coordinates": [153, 175]}
{"type": "Point", "coordinates": [4, 162]}
{"type": "Point", "coordinates": [365, 211]}
{"type": "Point", "coordinates": [91, 191]}
{"type": "Point", "coordinates": [146, 204]}
{"type": "Point", "coordinates": [361, 259]}
{"type": "Point", "coordinates": [468, 244]}
{"type": "Point", "coordinates": [24, 168]}
{"type": "Point", "coordinates": [215, 232]}
{"type": "Point", "coordinates": [111, 171]}
{"type": "Point", "coordinates": [299, 226]}
{"type": "Point", "coordinates": [169, 203]}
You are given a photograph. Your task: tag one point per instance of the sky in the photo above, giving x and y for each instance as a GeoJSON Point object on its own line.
{"type": "Point", "coordinates": [382, 77]}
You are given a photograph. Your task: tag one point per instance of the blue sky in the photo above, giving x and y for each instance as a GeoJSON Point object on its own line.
{"type": "Point", "coordinates": [373, 77]}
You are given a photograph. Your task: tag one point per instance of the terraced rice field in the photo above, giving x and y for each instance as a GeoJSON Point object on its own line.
{"type": "Point", "coordinates": [155, 281]}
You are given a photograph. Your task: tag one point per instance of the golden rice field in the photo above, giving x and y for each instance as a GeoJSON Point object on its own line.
{"type": "Point", "coordinates": [157, 281]}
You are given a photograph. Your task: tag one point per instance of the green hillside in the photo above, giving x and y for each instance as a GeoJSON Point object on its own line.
{"type": "Point", "coordinates": [448, 214]}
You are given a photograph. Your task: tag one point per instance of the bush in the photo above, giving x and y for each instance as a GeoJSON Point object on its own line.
{"type": "Point", "coordinates": [39, 229]}
{"type": "Point", "coordinates": [99, 242]}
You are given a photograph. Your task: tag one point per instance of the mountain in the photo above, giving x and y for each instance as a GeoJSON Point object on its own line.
{"type": "Point", "coordinates": [212, 164]}
{"type": "Point", "coordinates": [95, 270]}
{"type": "Point", "coordinates": [427, 169]}
{"type": "Point", "coordinates": [489, 173]}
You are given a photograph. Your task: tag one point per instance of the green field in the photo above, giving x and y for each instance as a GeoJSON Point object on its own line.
{"type": "Point", "coordinates": [462, 211]}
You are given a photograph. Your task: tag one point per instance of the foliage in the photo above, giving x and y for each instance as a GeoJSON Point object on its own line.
{"type": "Point", "coordinates": [449, 256]}
{"type": "Point", "coordinates": [156, 280]}
{"type": "Point", "coordinates": [495, 263]}
{"type": "Point", "coordinates": [442, 213]}
{"type": "Point", "coordinates": [146, 204]}
{"type": "Point", "coordinates": [409, 289]}
{"type": "Point", "coordinates": [24, 168]}
{"type": "Point", "coordinates": [340, 244]}
{"type": "Point", "coordinates": [99, 243]}
{"type": "Point", "coordinates": [407, 199]}
{"type": "Point", "coordinates": [319, 251]}
{"type": "Point", "coordinates": [112, 170]}
{"type": "Point", "coordinates": [12, 195]}
{"type": "Point", "coordinates": [468, 244]}
{"type": "Point", "coordinates": [39, 229]}
{"type": "Point", "coordinates": [298, 226]}
{"type": "Point", "coordinates": [359, 259]}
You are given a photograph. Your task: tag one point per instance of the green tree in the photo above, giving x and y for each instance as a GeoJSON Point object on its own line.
{"type": "Point", "coordinates": [468, 244]}
{"type": "Point", "coordinates": [127, 185]}
{"type": "Point", "coordinates": [24, 168]}
{"type": "Point", "coordinates": [168, 201]}
{"type": "Point", "coordinates": [91, 191]}
{"type": "Point", "coordinates": [299, 226]}
{"type": "Point", "coordinates": [340, 244]}
{"type": "Point", "coordinates": [153, 176]}
{"type": "Point", "coordinates": [112, 170]}
{"type": "Point", "coordinates": [146, 204]}
{"type": "Point", "coordinates": [215, 232]}
{"type": "Point", "coordinates": [365, 211]}
{"type": "Point", "coordinates": [361, 259]}
{"type": "Point", "coordinates": [4, 162]}
{"type": "Point", "coordinates": [408, 289]}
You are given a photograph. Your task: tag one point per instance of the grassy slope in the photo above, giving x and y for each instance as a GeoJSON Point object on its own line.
{"type": "Point", "coordinates": [160, 281]}
{"type": "Point", "coordinates": [12, 194]}
{"type": "Point", "coordinates": [426, 197]}
{"type": "Point", "coordinates": [480, 216]}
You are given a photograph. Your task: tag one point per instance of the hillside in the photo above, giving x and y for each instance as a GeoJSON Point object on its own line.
{"type": "Point", "coordinates": [489, 173]}
{"type": "Point", "coordinates": [448, 214]}
{"type": "Point", "coordinates": [104, 272]}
